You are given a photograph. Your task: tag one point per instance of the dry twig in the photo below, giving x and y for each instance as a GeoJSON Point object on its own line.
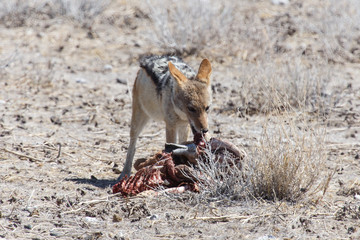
{"type": "Point", "coordinates": [23, 155]}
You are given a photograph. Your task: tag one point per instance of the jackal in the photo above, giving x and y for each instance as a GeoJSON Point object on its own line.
{"type": "Point", "coordinates": [167, 89]}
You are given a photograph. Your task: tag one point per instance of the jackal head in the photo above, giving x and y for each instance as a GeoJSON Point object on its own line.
{"type": "Point", "coordinates": [193, 97]}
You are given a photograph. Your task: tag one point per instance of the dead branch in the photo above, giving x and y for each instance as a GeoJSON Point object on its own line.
{"type": "Point", "coordinates": [23, 155]}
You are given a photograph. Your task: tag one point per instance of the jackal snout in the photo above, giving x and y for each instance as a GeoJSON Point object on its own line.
{"type": "Point", "coordinates": [199, 124]}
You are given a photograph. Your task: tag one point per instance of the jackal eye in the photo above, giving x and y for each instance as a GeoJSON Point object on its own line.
{"type": "Point", "coordinates": [207, 108]}
{"type": "Point", "coordinates": [191, 109]}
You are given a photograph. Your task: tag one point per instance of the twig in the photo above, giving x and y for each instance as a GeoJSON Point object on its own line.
{"type": "Point", "coordinates": [232, 217]}
{"type": "Point", "coordinates": [52, 147]}
{"type": "Point", "coordinates": [3, 228]}
{"type": "Point", "coordinates": [348, 146]}
{"type": "Point", "coordinates": [29, 200]}
{"type": "Point", "coordinates": [73, 210]}
{"type": "Point", "coordinates": [23, 155]}
{"type": "Point", "coordinates": [98, 159]}
{"type": "Point", "coordinates": [9, 60]}
{"type": "Point", "coordinates": [105, 199]}
{"type": "Point", "coordinates": [92, 202]}
{"type": "Point", "coordinates": [220, 218]}
{"type": "Point", "coordinates": [59, 152]}
{"type": "Point", "coordinates": [75, 138]}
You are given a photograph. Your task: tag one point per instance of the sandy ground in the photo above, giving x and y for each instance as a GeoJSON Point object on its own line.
{"type": "Point", "coordinates": [65, 108]}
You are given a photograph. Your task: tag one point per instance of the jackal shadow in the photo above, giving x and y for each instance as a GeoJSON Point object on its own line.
{"type": "Point", "coordinates": [99, 183]}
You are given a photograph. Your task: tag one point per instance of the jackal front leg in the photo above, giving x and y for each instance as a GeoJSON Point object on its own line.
{"type": "Point", "coordinates": [170, 133]}
{"type": "Point", "coordinates": [183, 129]}
{"type": "Point", "coordinates": [138, 121]}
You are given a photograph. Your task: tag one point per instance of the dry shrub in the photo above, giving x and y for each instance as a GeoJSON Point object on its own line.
{"type": "Point", "coordinates": [284, 85]}
{"type": "Point", "coordinates": [219, 180]}
{"type": "Point", "coordinates": [250, 30]}
{"type": "Point", "coordinates": [287, 164]}
{"type": "Point", "coordinates": [189, 26]}
{"type": "Point", "coordinates": [81, 10]}
{"type": "Point", "coordinates": [337, 25]}
{"type": "Point", "coordinates": [15, 13]}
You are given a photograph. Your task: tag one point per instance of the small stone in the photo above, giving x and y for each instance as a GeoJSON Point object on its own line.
{"type": "Point", "coordinates": [119, 235]}
{"type": "Point", "coordinates": [266, 237]}
{"type": "Point", "coordinates": [56, 120]}
{"type": "Point", "coordinates": [80, 80]}
{"type": "Point", "coordinates": [108, 67]}
{"type": "Point", "coordinates": [117, 218]}
{"type": "Point", "coordinates": [27, 226]}
{"type": "Point", "coordinates": [154, 217]}
{"type": "Point", "coordinates": [90, 219]}
{"type": "Point", "coordinates": [280, 2]}
{"type": "Point", "coordinates": [351, 230]}
{"type": "Point", "coordinates": [121, 81]}
{"type": "Point", "coordinates": [116, 170]}
{"type": "Point", "coordinates": [54, 234]}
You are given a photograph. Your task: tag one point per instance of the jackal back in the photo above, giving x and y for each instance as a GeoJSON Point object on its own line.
{"type": "Point", "coordinates": [157, 68]}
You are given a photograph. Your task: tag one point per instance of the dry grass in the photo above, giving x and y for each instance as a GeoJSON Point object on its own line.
{"type": "Point", "coordinates": [337, 25]}
{"type": "Point", "coordinates": [188, 27]}
{"type": "Point", "coordinates": [219, 181]}
{"type": "Point", "coordinates": [278, 63]}
{"type": "Point", "coordinates": [287, 164]}
{"type": "Point", "coordinates": [15, 13]}
{"type": "Point", "coordinates": [289, 84]}
{"type": "Point", "coordinates": [240, 30]}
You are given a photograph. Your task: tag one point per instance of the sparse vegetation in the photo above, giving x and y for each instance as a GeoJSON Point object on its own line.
{"type": "Point", "coordinates": [188, 27]}
{"type": "Point", "coordinates": [15, 13]}
{"type": "Point", "coordinates": [287, 164]}
{"type": "Point", "coordinates": [237, 29]}
{"type": "Point", "coordinates": [66, 69]}
{"type": "Point", "coordinates": [278, 63]}
{"type": "Point", "coordinates": [287, 84]}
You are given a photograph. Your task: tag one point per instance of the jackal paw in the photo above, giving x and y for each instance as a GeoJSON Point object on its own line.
{"type": "Point", "coordinates": [123, 175]}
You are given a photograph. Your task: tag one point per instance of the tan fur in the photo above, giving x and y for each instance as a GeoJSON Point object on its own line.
{"type": "Point", "coordinates": [204, 71]}
{"type": "Point", "coordinates": [187, 102]}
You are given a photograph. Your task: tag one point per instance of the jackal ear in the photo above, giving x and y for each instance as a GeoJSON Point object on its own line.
{"type": "Point", "coordinates": [179, 77]}
{"type": "Point", "coordinates": [204, 71]}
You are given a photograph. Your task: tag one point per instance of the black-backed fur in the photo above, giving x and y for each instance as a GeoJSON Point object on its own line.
{"type": "Point", "coordinates": [158, 70]}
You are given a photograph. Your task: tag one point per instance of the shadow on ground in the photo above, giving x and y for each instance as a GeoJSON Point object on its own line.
{"type": "Point", "coordinates": [100, 183]}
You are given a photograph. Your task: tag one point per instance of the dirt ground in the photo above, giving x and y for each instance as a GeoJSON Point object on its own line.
{"type": "Point", "coordinates": [65, 108]}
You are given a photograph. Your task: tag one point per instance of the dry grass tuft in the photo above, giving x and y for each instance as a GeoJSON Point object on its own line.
{"type": "Point", "coordinates": [287, 165]}
{"type": "Point", "coordinates": [219, 180]}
